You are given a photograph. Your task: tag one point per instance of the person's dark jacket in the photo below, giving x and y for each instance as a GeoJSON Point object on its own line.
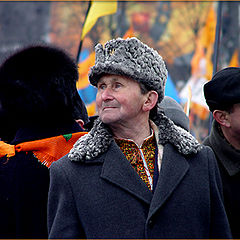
{"type": "Point", "coordinates": [228, 160]}
{"type": "Point", "coordinates": [24, 183]}
{"type": "Point", "coordinates": [96, 193]}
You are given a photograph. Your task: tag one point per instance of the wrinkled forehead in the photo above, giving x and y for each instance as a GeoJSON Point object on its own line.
{"type": "Point", "coordinates": [114, 78]}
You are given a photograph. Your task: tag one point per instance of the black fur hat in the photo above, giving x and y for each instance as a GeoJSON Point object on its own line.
{"type": "Point", "coordinates": [40, 81]}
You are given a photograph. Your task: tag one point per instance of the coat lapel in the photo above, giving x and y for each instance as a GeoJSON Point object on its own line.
{"type": "Point", "coordinates": [173, 169]}
{"type": "Point", "coordinates": [117, 170]}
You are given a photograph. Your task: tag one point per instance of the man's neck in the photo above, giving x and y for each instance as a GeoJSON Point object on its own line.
{"type": "Point", "coordinates": [136, 132]}
{"type": "Point", "coordinates": [231, 138]}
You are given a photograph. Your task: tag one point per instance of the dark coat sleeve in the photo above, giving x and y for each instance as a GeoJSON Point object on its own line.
{"type": "Point", "coordinates": [219, 227]}
{"type": "Point", "coordinates": [63, 220]}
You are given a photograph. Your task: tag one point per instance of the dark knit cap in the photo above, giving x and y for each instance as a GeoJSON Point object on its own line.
{"type": "Point", "coordinates": [131, 58]}
{"type": "Point", "coordinates": [174, 111]}
{"type": "Point", "coordinates": [224, 89]}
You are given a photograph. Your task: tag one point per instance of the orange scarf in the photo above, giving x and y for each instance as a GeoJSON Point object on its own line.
{"type": "Point", "coordinates": [46, 150]}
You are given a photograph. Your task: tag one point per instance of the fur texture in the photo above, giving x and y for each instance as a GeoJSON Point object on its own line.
{"type": "Point", "coordinates": [99, 138]}
{"type": "Point", "coordinates": [40, 81]}
{"type": "Point", "coordinates": [131, 58]}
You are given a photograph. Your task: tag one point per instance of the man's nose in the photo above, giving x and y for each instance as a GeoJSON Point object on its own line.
{"type": "Point", "coordinates": [107, 94]}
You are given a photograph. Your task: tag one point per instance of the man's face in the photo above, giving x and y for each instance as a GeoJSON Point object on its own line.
{"type": "Point", "coordinates": [234, 120]}
{"type": "Point", "coordinates": [119, 100]}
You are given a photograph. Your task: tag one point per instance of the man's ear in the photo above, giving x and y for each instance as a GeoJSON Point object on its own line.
{"type": "Point", "coordinates": [80, 122]}
{"type": "Point", "coordinates": [222, 117]}
{"type": "Point", "coordinates": [151, 101]}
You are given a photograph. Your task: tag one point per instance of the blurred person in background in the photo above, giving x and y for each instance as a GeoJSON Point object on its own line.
{"type": "Point", "coordinates": [175, 112]}
{"type": "Point", "coordinates": [39, 106]}
{"type": "Point", "coordinates": [222, 95]}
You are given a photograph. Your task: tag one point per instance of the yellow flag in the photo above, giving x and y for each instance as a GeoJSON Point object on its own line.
{"type": "Point", "coordinates": [208, 31]}
{"type": "Point", "coordinates": [207, 39]}
{"type": "Point", "coordinates": [198, 55]}
{"type": "Point", "coordinates": [83, 70]}
{"type": "Point", "coordinates": [98, 9]}
{"type": "Point", "coordinates": [91, 109]}
{"type": "Point", "coordinates": [234, 61]}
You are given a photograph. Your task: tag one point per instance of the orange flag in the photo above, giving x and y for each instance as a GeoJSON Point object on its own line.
{"type": "Point", "coordinates": [129, 33]}
{"type": "Point", "coordinates": [234, 61]}
{"type": "Point", "coordinates": [84, 68]}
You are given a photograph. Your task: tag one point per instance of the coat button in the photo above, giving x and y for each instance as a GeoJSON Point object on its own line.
{"type": "Point", "coordinates": [150, 223]}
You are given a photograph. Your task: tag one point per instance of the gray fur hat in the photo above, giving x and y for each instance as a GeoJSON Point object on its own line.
{"type": "Point", "coordinates": [131, 58]}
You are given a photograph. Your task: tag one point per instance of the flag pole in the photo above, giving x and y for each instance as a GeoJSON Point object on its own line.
{"type": "Point", "coordinates": [216, 49]}
{"type": "Point", "coordinates": [81, 40]}
{"type": "Point", "coordinates": [217, 37]}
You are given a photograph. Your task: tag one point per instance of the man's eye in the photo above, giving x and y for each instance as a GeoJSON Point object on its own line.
{"type": "Point", "coordinates": [102, 86]}
{"type": "Point", "coordinates": [118, 85]}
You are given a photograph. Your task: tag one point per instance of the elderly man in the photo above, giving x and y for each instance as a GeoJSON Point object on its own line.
{"type": "Point", "coordinates": [135, 174]}
{"type": "Point", "coordinates": [222, 95]}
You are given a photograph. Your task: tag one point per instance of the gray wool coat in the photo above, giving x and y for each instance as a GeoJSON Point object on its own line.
{"type": "Point", "coordinates": [95, 192]}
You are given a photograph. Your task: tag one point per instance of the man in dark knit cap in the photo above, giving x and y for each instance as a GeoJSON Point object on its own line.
{"type": "Point", "coordinates": [222, 95]}
{"type": "Point", "coordinates": [135, 174]}
{"type": "Point", "coordinates": [39, 106]}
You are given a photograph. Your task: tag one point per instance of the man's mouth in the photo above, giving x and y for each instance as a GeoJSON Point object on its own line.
{"type": "Point", "coordinates": [108, 107]}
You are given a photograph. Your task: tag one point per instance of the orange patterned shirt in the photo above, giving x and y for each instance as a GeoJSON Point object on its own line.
{"type": "Point", "coordinates": [141, 158]}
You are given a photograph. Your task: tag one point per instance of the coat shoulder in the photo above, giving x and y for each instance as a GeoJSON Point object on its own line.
{"type": "Point", "coordinates": [62, 163]}
{"type": "Point", "coordinates": [205, 154]}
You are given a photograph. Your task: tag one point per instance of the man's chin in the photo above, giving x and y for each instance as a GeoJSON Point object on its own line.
{"type": "Point", "coordinates": [108, 119]}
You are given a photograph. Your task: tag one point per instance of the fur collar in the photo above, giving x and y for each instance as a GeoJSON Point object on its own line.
{"type": "Point", "coordinates": [99, 139]}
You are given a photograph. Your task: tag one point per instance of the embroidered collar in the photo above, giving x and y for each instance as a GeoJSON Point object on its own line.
{"type": "Point", "coordinates": [141, 158]}
{"type": "Point", "coordinates": [131, 142]}
{"type": "Point", "coordinates": [100, 137]}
